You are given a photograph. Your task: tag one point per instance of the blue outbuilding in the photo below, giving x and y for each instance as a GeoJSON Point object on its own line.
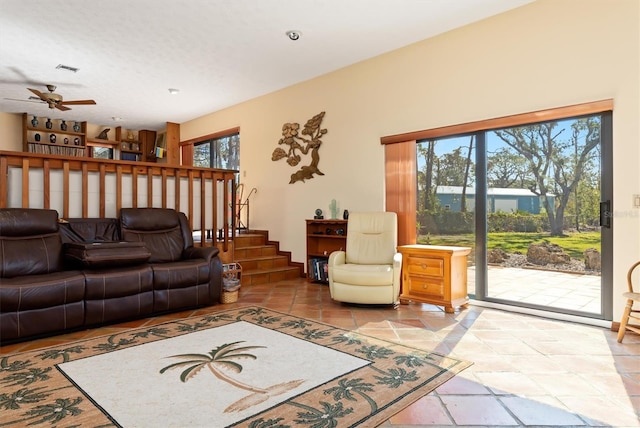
{"type": "Point", "coordinates": [498, 199]}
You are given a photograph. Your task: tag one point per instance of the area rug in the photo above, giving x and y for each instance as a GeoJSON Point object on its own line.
{"type": "Point", "coordinates": [244, 367]}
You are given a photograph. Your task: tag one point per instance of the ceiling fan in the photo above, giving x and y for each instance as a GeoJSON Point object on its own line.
{"type": "Point", "coordinates": [55, 100]}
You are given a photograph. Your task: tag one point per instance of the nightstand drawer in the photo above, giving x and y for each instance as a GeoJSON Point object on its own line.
{"type": "Point", "coordinates": [425, 266]}
{"type": "Point", "coordinates": [426, 286]}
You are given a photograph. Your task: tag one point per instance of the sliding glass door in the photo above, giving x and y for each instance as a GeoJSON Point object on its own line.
{"type": "Point", "coordinates": [533, 203]}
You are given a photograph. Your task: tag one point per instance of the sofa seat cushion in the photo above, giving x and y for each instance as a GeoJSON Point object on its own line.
{"type": "Point", "coordinates": [118, 294]}
{"type": "Point", "coordinates": [41, 291]}
{"type": "Point", "coordinates": [39, 304]}
{"type": "Point", "coordinates": [99, 255]}
{"type": "Point", "coordinates": [125, 281]}
{"type": "Point", "coordinates": [363, 274]}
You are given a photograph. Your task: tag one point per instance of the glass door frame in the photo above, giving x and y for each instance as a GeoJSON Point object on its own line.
{"type": "Point", "coordinates": [606, 233]}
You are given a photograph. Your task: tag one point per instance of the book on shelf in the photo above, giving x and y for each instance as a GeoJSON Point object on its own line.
{"type": "Point", "coordinates": [319, 269]}
{"type": "Point", "coordinates": [130, 157]}
{"type": "Point", "coordinates": [51, 149]}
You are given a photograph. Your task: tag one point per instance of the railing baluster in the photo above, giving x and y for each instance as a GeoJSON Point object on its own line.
{"type": "Point", "coordinates": [85, 189]}
{"type": "Point", "coordinates": [103, 189]}
{"type": "Point", "coordinates": [65, 189]}
{"type": "Point", "coordinates": [118, 188]}
{"type": "Point", "coordinates": [25, 183]}
{"type": "Point", "coordinates": [4, 188]}
{"type": "Point", "coordinates": [46, 183]}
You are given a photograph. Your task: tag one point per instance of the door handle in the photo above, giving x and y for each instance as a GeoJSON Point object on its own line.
{"type": "Point", "coordinates": [605, 214]}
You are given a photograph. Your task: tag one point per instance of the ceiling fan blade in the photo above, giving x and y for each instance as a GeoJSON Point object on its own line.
{"type": "Point", "coordinates": [61, 107]}
{"type": "Point", "coordinates": [78, 102]}
{"type": "Point", "coordinates": [39, 94]}
{"type": "Point", "coordinates": [29, 100]}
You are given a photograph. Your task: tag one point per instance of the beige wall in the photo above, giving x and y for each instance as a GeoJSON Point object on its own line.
{"type": "Point", "coordinates": [10, 131]}
{"type": "Point", "coordinates": [548, 54]}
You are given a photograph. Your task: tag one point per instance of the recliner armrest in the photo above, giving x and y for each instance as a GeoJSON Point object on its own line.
{"type": "Point", "coordinates": [397, 261]}
{"type": "Point", "coordinates": [206, 253]}
{"type": "Point", "coordinates": [337, 258]}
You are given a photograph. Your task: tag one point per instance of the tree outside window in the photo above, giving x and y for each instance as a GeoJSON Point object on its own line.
{"type": "Point", "coordinates": [222, 152]}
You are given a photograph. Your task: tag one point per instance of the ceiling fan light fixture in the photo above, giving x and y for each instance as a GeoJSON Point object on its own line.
{"type": "Point", "coordinates": [174, 91]}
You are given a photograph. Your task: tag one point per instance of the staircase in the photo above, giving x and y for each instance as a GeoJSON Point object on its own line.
{"type": "Point", "coordinates": [262, 261]}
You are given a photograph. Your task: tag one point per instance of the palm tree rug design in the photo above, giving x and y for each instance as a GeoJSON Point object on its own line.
{"type": "Point", "coordinates": [243, 367]}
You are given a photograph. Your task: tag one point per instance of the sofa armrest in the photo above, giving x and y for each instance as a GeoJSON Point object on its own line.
{"type": "Point", "coordinates": [206, 253]}
{"type": "Point", "coordinates": [210, 254]}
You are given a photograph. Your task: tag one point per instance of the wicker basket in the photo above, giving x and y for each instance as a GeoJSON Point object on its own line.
{"type": "Point", "coordinates": [231, 280]}
{"type": "Point", "coordinates": [229, 296]}
{"type": "Point", "coordinates": [231, 271]}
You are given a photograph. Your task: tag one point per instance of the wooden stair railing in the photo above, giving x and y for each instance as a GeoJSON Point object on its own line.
{"type": "Point", "coordinates": [88, 187]}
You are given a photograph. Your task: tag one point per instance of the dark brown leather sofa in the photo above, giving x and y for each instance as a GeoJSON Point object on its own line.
{"type": "Point", "coordinates": [59, 275]}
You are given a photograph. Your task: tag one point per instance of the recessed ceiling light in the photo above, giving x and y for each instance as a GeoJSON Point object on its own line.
{"type": "Point", "coordinates": [293, 35]}
{"type": "Point", "coordinates": [173, 91]}
{"type": "Point", "coordinates": [116, 119]}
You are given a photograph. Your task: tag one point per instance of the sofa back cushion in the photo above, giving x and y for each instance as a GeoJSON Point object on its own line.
{"type": "Point", "coordinates": [29, 242]}
{"type": "Point", "coordinates": [159, 228]}
{"type": "Point", "coordinates": [89, 230]}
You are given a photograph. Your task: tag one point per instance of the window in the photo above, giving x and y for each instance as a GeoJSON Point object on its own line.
{"type": "Point", "coordinates": [220, 152]}
{"type": "Point", "coordinates": [100, 152]}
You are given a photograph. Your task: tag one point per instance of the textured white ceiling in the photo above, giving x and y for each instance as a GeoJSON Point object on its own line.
{"type": "Point", "coordinates": [216, 52]}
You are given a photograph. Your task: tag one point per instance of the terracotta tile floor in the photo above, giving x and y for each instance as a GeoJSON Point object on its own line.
{"type": "Point", "coordinates": [527, 371]}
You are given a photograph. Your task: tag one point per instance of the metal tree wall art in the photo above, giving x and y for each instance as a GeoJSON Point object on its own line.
{"type": "Point", "coordinates": [309, 140]}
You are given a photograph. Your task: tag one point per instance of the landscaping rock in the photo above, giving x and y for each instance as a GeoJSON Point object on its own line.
{"type": "Point", "coordinates": [545, 254]}
{"type": "Point", "coordinates": [496, 256]}
{"type": "Point", "coordinates": [592, 259]}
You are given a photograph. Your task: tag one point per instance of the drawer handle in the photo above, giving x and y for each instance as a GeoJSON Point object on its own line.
{"type": "Point", "coordinates": [424, 266]}
{"type": "Point", "coordinates": [424, 286]}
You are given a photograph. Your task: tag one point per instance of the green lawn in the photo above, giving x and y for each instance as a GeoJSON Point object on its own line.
{"type": "Point", "coordinates": [513, 242]}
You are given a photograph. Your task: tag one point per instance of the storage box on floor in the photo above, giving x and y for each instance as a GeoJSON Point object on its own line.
{"type": "Point", "coordinates": [231, 274]}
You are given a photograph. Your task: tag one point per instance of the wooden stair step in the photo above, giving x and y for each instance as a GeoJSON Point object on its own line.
{"type": "Point", "coordinates": [264, 276]}
{"type": "Point", "coordinates": [243, 240]}
{"type": "Point", "coordinates": [263, 262]}
{"type": "Point", "coordinates": [255, 251]}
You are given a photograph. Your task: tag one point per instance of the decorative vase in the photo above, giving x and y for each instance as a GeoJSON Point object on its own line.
{"type": "Point", "coordinates": [63, 126]}
{"type": "Point", "coordinates": [76, 141]}
{"type": "Point", "coordinates": [66, 140]}
{"type": "Point", "coordinates": [333, 207]}
{"type": "Point", "coordinates": [345, 215]}
{"type": "Point", "coordinates": [52, 138]}
{"type": "Point", "coordinates": [76, 127]}
{"type": "Point", "coordinates": [37, 137]}
{"type": "Point", "coordinates": [49, 124]}
{"type": "Point", "coordinates": [34, 121]}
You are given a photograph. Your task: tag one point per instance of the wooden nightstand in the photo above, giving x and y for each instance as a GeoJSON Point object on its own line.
{"type": "Point", "coordinates": [434, 274]}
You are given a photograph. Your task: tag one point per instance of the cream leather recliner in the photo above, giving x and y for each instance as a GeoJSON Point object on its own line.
{"type": "Point", "coordinates": [369, 270]}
